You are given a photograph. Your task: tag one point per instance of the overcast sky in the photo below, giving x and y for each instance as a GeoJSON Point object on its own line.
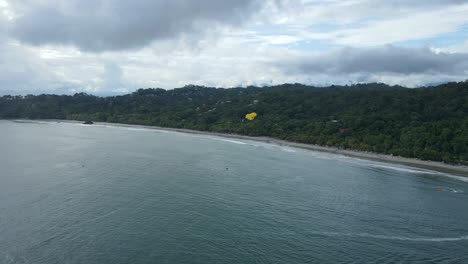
{"type": "Point", "coordinates": [117, 46]}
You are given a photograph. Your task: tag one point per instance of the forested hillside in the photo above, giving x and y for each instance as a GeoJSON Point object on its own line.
{"type": "Point", "coordinates": [428, 123]}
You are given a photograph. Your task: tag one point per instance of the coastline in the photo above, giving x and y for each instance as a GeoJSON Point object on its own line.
{"type": "Point", "coordinates": [457, 170]}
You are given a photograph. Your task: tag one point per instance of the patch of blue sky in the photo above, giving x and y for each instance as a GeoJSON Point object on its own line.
{"type": "Point", "coordinates": [313, 2]}
{"type": "Point", "coordinates": [322, 45]}
{"type": "Point", "coordinates": [330, 26]}
{"type": "Point", "coordinates": [324, 27]}
{"type": "Point", "coordinates": [440, 41]}
{"type": "Point", "coordinates": [311, 45]}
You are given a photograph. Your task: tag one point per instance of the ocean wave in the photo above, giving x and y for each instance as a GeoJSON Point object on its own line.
{"type": "Point", "coordinates": [458, 178]}
{"type": "Point", "coordinates": [448, 189]}
{"type": "Point", "coordinates": [264, 145]}
{"type": "Point", "coordinates": [403, 169]}
{"type": "Point", "coordinates": [126, 128]}
{"type": "Point", "coordinates": [32, 121]}
{"type": "Point", "coordinates": [288, 150]}
{"type": "Point", "coordinates": [230, 141]}
{"type": "Point", "coordinates": [418, 171]}
{"type": "Point", "coordinates": [400, 238]}
{"type": "Point", "coordinates": [390, 166]}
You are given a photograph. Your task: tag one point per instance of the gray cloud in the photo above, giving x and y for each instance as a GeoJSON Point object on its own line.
{"type": "Point", "coordinates": [170, 29]}
{"type": "Point", "coordinates": [379, 60]}
{"type": "Point", "coordinates": [101, 25]}
{"type": "Point", "coordinates": [23, 72]}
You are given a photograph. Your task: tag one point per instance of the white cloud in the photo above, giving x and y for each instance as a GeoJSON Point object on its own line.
{"type": "Point", "coordinates": [271, 42]}
{"type": "Point", "coordinates": [5, 10]}
{"type": "Point", "coordinates": [456, 48]}
{"type": "Point", "coordinates": [370, 23]}
{"type": "Point", "coordinates": [413, 27]}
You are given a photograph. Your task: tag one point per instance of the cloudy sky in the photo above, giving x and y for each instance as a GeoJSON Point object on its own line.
{"type": "Point", "coordinates": [116, 46]}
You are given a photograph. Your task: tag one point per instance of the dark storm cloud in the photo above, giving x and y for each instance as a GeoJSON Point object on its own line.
{"type": "Point", "coordinates": [386, 59]}
{"type": "Point", "coordinates": [101, 25]}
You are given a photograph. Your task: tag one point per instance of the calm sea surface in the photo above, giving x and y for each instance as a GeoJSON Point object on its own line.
{"type": "Point", "coordinates": [72, 193]}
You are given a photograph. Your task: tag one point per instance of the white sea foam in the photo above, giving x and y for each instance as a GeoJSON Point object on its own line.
{"type": "Point", "coordinates": [418, 171]}
{"type": "Point", "coordinates": [288, 150]}
{"type": "Point", "coordinates": [459, 178]}
{"type": "Point", "coordinates": [32, 121]}
{"type": "Point", "coordinates": [231, 141]}
{"type": "Point", "coordinates": [400, 238]}
{"type": "Point", "coordinates": [127, 128]}
{"type": "Point", "coordinates": [256, 144]}
{"type": "Point", "coordinates": [448, 189]}
{"type": "Point", "coordinates": [389, 166]}
{"type": "Point", "coordinates": [403, 169]}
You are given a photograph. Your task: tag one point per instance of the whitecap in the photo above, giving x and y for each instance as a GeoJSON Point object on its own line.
{"type": "Point", "coordinates": [403, 169]}
{"type": "Point", "coordinates": [230, 141]}
{"type": "Point", "coordinates": [458, 178]}
{"type": "Point", "coordinates": [288, 150]}
{"type": "Point", "coordinates": [400, 238]}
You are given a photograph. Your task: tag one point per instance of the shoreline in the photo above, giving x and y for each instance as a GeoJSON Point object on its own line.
{"type": "Point", "coordinates": [457, 170]}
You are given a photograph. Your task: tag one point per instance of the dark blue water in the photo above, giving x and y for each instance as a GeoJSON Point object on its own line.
{"type": "Point", "coordinates": [95, 194]}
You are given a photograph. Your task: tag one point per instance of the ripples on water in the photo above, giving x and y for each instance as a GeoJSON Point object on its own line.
{"type": "Point", "coordinates": [96, 194]}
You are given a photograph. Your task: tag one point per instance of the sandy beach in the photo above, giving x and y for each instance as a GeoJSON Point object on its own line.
{"type": "Point", "coordinates": [457, 170]}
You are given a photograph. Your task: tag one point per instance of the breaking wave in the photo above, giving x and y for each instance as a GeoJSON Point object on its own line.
{"type": "Point", "coordinates": [400, 238]}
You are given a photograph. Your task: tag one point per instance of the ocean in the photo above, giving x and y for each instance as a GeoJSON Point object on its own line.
{"type": "Point", "coordinates": [72, 193]}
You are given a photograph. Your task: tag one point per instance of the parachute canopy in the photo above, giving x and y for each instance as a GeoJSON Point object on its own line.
{"type": "Point", "coordinates": [251, 116]}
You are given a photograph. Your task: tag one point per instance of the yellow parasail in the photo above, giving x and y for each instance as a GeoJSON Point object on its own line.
{"type": "Point", "coordinates": [251, 116]}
